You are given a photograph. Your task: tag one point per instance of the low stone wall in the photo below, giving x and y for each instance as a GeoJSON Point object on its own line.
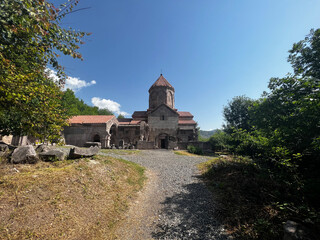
{"type": "Point", "coordinates": [172, 145]}
{"type": "Point", "coordinates": [145, 145]}
{"type": "Point", "coordinates": [203, 145]}
{"type": "Point", "coordinates": [182, 145]}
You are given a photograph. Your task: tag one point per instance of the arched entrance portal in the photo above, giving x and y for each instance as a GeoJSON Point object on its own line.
{"type": "Point", "coordinates": [96, 138]}
{"type": "Point", "coordinates": [113, 133]}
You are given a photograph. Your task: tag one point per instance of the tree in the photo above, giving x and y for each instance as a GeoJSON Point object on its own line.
{"type": "Point", "coordinates": [305, 55]}
{"type": "Point", "coordinates": [31, 37]}
{"type": "Point", "coordinates": [74, 106]}
{"type": "Point", "coordinates": [219, 140]}
{"type": "Point", "coordinates": [289, 115]}
{"type": "Point", "coordinates": [236, 113]}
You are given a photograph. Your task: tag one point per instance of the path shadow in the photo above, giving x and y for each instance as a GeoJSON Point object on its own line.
{"type": "Point", "coordinates": [189, 214]}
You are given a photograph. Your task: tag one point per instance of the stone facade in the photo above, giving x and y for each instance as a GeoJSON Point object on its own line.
{"type": "Point", "coordinates": [161, 126]}
{"type": "Point", "coordinates": [84, 129]}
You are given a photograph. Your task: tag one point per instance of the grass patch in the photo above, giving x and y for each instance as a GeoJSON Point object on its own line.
{"type": "Point", "coordinates": [121, 151]}
{"type": "Point", "coordinates": [185, 153]}
{"type": "Point", "coordinates": [82, 199]}
{"type": "Point", "coordinates": [251, 200]}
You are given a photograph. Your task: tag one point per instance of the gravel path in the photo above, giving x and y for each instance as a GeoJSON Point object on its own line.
{"type": "Point", "coordinates": [175, 203]}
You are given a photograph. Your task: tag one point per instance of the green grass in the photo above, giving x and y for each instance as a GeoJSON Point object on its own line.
{"type": "Point", "coordinates": [121, 151]}
{"type": "Point", "coordinates": [185, 153]}
{"type": "Point", "coordinates": [101, 187]}
{"type": "Point", "coordinates": [139, 169]}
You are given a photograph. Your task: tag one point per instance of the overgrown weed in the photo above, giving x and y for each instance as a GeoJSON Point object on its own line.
{"type": "Point", "coordinates": [254, 200]}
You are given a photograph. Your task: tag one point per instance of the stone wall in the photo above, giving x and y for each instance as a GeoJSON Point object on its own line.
{"type": "Point", "coordinates": [79, 134]}
{"type": "Point", "coordinates": [161, 95]}
{"type": "Point", "coordinates": [128, 134]}
{"type": "Point", "coordinates": [186, 135]}
{"type": "Point", "coordinates": [162, 121]}
{"type": "Point", "coordinates": [203, 145]}
{"type": "Point", "coordinates": [145, 145]}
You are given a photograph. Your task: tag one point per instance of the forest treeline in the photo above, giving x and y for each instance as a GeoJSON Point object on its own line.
{"type": "Point", "coordinates": [284, 124]}
{"type": "Point", "coordinates": [280, 132]}
{"type": "Point", "coordinates": [74, 106]}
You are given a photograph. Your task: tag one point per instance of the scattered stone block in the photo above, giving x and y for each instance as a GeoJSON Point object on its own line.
{"type": "Point", "coordinates": [52, 155]}
{"type": "Point", "coordinates": [93, 144]}
{"type": "Point", "coordinates": [42, 148]}
{"type": "Point", "coordinates": [24, 154]}
{"type": "Point", "coordinates": [4, 147]}
{"type": "Point", "coordinates": [295, 231]}
{"type": "Point", "coordinates": [2, 154]}
{"type": "Point", "coordinates": [83, 152]}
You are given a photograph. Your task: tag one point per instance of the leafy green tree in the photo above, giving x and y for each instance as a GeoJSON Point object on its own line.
{"type": "Point", "coordinates": [74, 106]}
{"type": "Point", "coordinates": [104, 112]}
{"type": "Point", "coordinates": [285, 122]}
{"type": "Point", "coordinates": [236, 113]}
{"type": "Point", "coordinates": [305, 55]}
{"type": "Point", "coordinates": [290, 114]}
{"type": "Point", "coordinates": [31, 38]}
{"type": "Point", "coordinates": [219, 141]}
{"type": "Point", "coordinates": [120, 116]}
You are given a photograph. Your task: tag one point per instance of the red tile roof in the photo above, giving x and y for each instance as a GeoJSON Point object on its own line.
{"type": "Point", "coordinates": [128, 121]}
{"type": "Point", "coordinates": [187, 122]}
{"type": "Point", "coordinates": [91, 119]}
{"type": "Point", "coordinates": [185, 114]}
{"type": "Point", "coordinates": [161, 82]}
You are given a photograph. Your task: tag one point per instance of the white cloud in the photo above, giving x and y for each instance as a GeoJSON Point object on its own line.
{"type": "Point", "coordinates": [108, 104]}
{"type": "Point", "coordinates": [74, 83]}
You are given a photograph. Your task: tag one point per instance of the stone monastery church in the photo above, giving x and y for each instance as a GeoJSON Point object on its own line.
{"type": "Point", "coordinates": [161, 126]}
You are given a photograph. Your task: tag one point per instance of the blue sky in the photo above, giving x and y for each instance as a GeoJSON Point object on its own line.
{"type": "Point", "coordinates": [209, 50]}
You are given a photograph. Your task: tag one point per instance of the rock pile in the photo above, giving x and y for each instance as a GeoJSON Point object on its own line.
{"type": "Point", "coordinates": [29, 154]}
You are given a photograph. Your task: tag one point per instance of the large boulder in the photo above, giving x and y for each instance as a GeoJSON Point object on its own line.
{"type": "Point", "coordinates": [52, 155]}
{"type": "Point", "coordinates": [24, 154]}
{"type": "Point", "coordinates": [4, 147]}
{"type": "Point", "coordinates": [42, 148]}
{"type": "Point", "coordinates": [4, 150]}
{"type": "Point", "coordinates": [83, 152]}
{"type": "Point", "coordinates": [296, 231]}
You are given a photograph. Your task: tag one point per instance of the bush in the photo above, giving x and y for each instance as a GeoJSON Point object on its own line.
{"type": "Point", "coordinates": [195, 150]}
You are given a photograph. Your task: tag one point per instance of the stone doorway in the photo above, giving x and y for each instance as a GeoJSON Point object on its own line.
{"type": "Point", "coordinates": [163, 143]}
{"type": "Point", "coordinates": [163, 140]}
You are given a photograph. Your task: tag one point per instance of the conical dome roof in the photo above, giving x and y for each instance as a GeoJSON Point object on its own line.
{"type": "Point", "coordinates": [161, 82]}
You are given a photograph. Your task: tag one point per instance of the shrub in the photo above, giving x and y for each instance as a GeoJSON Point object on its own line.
{"type": "Point", "coordinates": [195, 150]}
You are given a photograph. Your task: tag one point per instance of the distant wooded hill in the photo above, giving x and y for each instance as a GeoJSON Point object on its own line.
{"type": "Point", "coordinates": [206, 134]}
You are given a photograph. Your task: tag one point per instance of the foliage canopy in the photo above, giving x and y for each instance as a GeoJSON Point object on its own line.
{"type": "Point", "coordinates": [31, 38]}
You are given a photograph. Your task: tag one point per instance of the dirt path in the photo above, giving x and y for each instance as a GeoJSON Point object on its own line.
{"type": "Point", "coordinates": [175, 203]}
{"type": "Point", "coordinates": [143, 213]}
